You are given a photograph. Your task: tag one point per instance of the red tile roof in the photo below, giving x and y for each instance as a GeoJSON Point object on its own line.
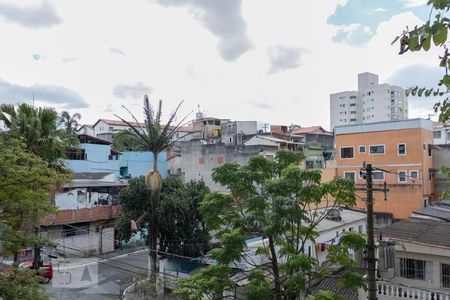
{"type": "Point", "coordinates": [98, 213]}
{"type": "Point", "coordinates": [118, 122]}
{"type": "Point", "coordinates": [312, 129]}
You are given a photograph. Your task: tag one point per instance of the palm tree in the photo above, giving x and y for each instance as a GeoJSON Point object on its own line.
{"type": "Point", "coordinates": [69, 123]}
{"type": "Point", "coordinates": [156, 138]}
{"type": "Point", "coordinates": [37, 128]}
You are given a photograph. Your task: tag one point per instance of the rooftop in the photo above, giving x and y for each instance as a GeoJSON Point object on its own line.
{"type": "Point", "coordinates": [385, 126]}
{"type": "Point", "coordinates": [419, 231]}
{"type": "Point", "coordinates": [311, 130]}
{"type": "Point", "coordinates": [98, 213]}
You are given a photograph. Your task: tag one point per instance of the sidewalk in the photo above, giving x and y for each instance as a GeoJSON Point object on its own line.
{"type": "Point", "coordinates": [76, 262]}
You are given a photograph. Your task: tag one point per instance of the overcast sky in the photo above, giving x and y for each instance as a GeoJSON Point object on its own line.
{"type": "Point", "coordinates": [275, 61]}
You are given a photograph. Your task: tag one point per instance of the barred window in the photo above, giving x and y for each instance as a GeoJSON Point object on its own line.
{"type": "Point", "coordinates": [445, 275]}
{"type": "Point", "coordinates": [414, 269]}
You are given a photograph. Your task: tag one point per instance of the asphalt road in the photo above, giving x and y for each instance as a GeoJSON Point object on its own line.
{"type": "Point", "coordinates": [104, 279]}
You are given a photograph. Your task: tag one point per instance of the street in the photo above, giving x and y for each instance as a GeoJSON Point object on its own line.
{"type": "Point", "coordinates": [104, 279]}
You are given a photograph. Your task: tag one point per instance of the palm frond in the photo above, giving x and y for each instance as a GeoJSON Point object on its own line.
{"type": "Point", "coordinates": [138, 130]}
{"type": "Point", "coordinates": [128, 140]}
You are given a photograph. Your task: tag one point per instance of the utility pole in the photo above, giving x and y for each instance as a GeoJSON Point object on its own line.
{"type": "Point", "coordinates": [371, 275]}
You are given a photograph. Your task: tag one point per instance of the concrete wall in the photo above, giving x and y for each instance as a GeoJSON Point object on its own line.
{"type": "Point", "coordinates": [141, 162]}
{"type": "Point", "coordinates": [87, 244]}
{"type": "Point", "coordinates": [436, 255]}
{"type": "Point", "coordinates": [97, 160]}
{"type": "Point", "coordinates": [198, 161]}
{"type": "Point", "coordinates": [404, 197]}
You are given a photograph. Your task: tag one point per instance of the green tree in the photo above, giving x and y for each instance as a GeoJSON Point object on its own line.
{"type": "Point", "coordinates": [280, 203]}
{"type": "Point", "coordinates": [421, 38]}
{"type": "Point", "coordinates": [37, 128]}
{"type": "Point", "coordinates": [69, 123]}
{"type": "Point", "coordinates": [156, 138]}
{"type": "Point", "coordinates": [27, 184]}
{"type": "Point", "coordinates": [21, 284]}
{"type": "Point", "coordinates": [180, 224]}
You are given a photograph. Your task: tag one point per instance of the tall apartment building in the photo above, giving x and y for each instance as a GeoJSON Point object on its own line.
{"type": "Point", "coordinates": [373, 102]}
{"type": "Point", "coordinates": [402, 148]}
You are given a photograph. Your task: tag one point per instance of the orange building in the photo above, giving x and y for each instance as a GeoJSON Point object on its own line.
{"type": "Point", "coordinates": [402, 148]}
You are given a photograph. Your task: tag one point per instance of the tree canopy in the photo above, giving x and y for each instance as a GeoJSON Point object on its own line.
{"type": "Point", "coordinates": [282, 204]}
{"type": "Point", "coordinates": [180, 224]}
{"type": "Point", "coordinates": [36, 128]}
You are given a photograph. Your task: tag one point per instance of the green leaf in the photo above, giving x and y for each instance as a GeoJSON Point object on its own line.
{"type": "Point", "coordinates": [446, 80]}
{"type": "Point", "coordinates": [426, 42]}
{"type": "Point", "coordinates": [440, 37]}
{"type": "Point", "coordinates": [413, 42]}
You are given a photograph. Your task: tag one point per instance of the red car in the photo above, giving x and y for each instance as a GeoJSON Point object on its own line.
{"type": "Point", "coordinates": [46, 271]}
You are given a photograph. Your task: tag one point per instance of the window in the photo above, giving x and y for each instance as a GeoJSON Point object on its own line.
{"type": "Point", "coordinates": [437, 134]}
{"type": "Point", "coordinates": [353, 120]}
{"type": "Point", "coordinates": [401, 176]}
{"type": "Point", "coordinates": [445, 275]}
{"type": "Point", "coordinates": [414, 269]}
{"type": "Point", "coordinates": [352, 104]}
{"type": "Point", "coordinates": [401, 149]}
{"type": "Point", "coordinates": [362, 149]}
{"type": "Point", "coordinates": [350, 175]}
{"type": "Point", "coordinates": [352, 97]}
{"type": "Point", "coordinates": [376, 149]}
{"type": "Point", "coordinates": [353, 112]}
{"type": "Point", "coordinates": [360, 228]}
{"type": "Point", "coordinates": [448, 135]}
{"type": "Point", "coordinates": [429, 150]}
{"type": "Point", "coordinates": [414, 174]}
{"type": "Point", "coordinates": [347, 152]}
{"type": "Point", "coordinates": [378, 175]}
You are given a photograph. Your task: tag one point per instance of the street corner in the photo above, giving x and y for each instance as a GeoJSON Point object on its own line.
{"type": "Point", "coordinates": [82, 276]}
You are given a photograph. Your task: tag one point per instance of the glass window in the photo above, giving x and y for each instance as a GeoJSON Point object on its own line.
{"type": "Point", "coordinates": [401, 176]}
{"type": "Point", "coordinates": [350, 175]}
{"type": "Point", "coordinates": [360, 228]}
{"type": "Point", "coordinates": [414, 174]}
{"type": "Point", "coordinates": [414, 269]}
{"type": "Point", "coordinates": [347, 152]}
{"type": "Point", "coordinates": [376, 149]}
{"type": "Point", "coordinates": [378, 175]}
{"type": "Point", "coordinates": [362, 149]}
{"type": "Point", "coordinates": [437, 134]}
{"type": "Point", "coordinates": [401, 149]}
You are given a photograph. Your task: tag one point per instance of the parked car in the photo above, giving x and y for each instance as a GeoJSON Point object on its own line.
{"type": "Point", "coordinates": [45, 271]}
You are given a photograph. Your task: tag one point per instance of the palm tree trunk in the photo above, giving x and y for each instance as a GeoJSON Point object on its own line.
{"type": "Point", "coordinates": [153, 253]}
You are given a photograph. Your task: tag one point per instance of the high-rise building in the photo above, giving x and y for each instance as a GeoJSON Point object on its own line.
{"type": "Point", "coordinates": [373, 102]}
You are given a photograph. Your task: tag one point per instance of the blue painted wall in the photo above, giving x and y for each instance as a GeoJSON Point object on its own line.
{"type": "Point", "coordinates": [139, 163]}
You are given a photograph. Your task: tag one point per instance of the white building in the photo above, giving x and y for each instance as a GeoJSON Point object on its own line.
{"type": "Point", "coordinates": [373, 102]}
{"type": "Point", "coordinates": [419, 268]}
{"type": "Point", "coordinates": [441, 133]}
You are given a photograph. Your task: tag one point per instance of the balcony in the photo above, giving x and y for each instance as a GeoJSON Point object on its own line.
{"type": "Point", "coordinates": [388, 291]}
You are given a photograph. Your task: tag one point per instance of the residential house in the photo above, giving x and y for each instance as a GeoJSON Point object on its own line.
{"type": "Point", "coordinates": [373, 102]}
{"type": "Point", "coordinates": [441, 133]}
{"type": "Point", "coordinates": [318, 145]}
{"type": "Point", "coordinates": [196, 161]}
{"type": "Point", "coordinates": [87, 208]}
{"type": "Point", "coordinates": [89, 204]}
{"type": "Point", "coordinates": [401, 152]}
{"type": "Point", "coordinates": [415, 264]}
{"type": "Point", "coordinates": [269, 140]}
{"type": "Point", "coordinates": [237, 132]}
{"type": "Point", "coordinates": [86, 129]}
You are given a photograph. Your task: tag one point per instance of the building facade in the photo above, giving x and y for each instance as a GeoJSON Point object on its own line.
{"type": "Point", "coordinates": [372, 102]}
{"type": "Point", "coordinates": [403, 152]}
{"type": "Point", "coordinates": [418, 264]}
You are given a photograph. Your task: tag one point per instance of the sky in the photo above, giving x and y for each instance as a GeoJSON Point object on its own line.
{"type": "Point", "coordinates": [275, 61]}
